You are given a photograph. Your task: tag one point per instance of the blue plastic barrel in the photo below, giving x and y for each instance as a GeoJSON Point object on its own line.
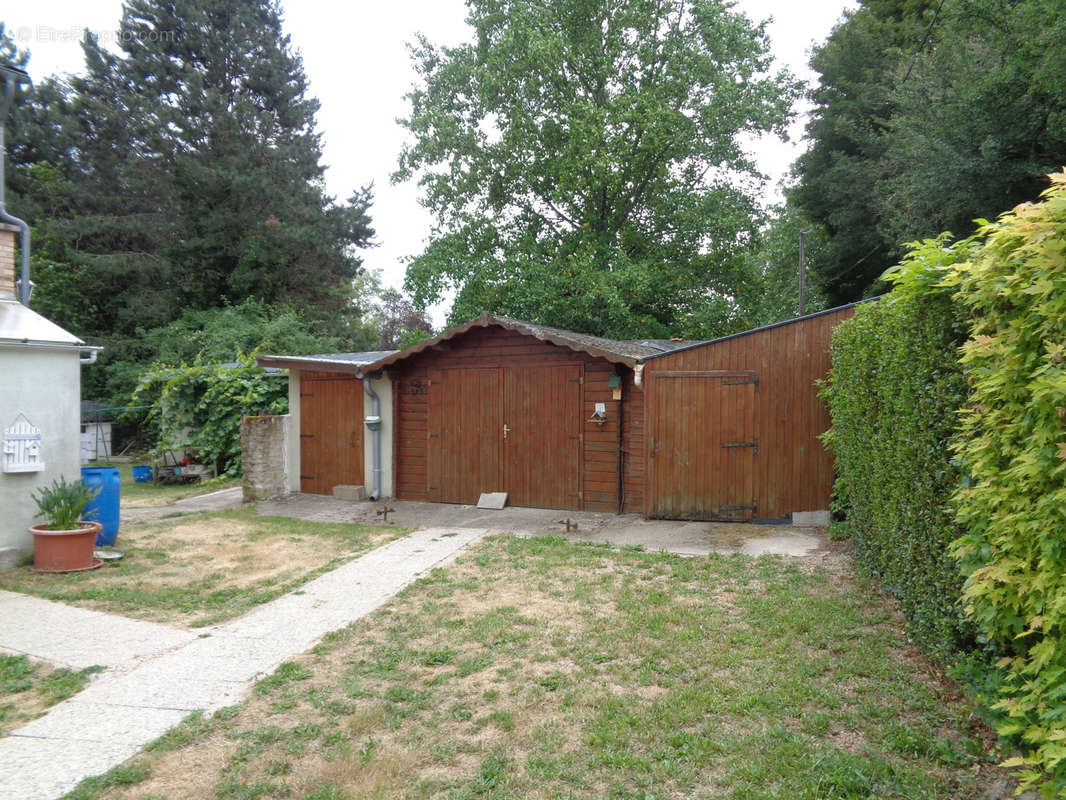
{"type": "Point", "coordinates": [105, 505]}
{"type": "Point", "coordinates": [142, 474]}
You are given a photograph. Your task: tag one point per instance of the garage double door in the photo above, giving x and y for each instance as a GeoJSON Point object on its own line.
{"type": "Point", "coordinates": [505, 429]}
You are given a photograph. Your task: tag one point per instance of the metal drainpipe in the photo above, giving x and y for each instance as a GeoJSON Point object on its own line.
{"type": "Point", "coordinates": [375, 410]}
{"type": "Point", "coordinates": [11, 80]}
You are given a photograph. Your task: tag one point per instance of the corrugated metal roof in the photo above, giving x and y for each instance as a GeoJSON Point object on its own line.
{"type": "Point", "coordinates": [20, 325]}
{"type": "Point", "coordinates": [340, 362]}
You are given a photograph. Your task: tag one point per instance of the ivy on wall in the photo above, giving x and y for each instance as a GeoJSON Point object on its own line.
{"type": "Point", "coordinates": [199, 407]}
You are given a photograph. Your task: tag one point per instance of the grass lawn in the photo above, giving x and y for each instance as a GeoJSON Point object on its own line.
{"type": "Point", "coordinates": [28, 687]}
{"type": "Point", "coordinates": [201, 569]}
{"type": "Point", "coordinates": [541, 669]}
{"type": "Point", "coordinates": [139, 495]}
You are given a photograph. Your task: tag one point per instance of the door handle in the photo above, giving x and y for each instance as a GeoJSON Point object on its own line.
{"type": "Point", "coordinates": [506, 431]}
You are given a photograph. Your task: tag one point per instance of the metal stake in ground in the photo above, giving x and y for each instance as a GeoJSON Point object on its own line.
{"type": "Point", "coordinates": [384, 512]}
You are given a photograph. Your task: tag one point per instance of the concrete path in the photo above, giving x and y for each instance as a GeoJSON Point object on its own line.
{"type": "Point", "coordinates": [137, 700]}
{"type": "Point", "coordinates": [654, 535]}
{"type": "Point", "coordinates": [214, 501]}
{"type": "Point", "coordinates": [77, 638]}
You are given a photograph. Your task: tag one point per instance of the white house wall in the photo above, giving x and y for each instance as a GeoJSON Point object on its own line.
{"type": "Point", "coordinates": [45, 386]}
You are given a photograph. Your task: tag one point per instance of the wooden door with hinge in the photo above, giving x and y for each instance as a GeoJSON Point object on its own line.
{"type": "Point", "coordinates": [542, 436]}
{"type": "Point", "coordinates": [464, 434]}
{"type": "Point", "coordinates": [331, 433]}
{"type": "Point", "coordinates": [702, 444]}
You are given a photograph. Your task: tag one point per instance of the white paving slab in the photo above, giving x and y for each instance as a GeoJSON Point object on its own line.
{"type": "Point", "coordinates": [64, 761]}
{"type": "Point", "coordinates": [76, 637]}
{"type": "Point", "coordinates": [166, 674]}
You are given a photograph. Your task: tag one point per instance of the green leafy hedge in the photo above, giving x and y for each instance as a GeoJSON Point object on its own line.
{"type": "Point", "coordinates": [892, 392]}
{"type": "Point", "coordinates": [200, 407]}
{"type": "Point", "coordinates": [1011, 499]}
{"type": "Point", "coordinates": [985, 531]}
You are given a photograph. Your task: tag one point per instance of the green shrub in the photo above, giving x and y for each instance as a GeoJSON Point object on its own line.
{"type": "Point", "coordinates": [1011, 499]}
{"type": "Point", "coordinates": [893, 391]}
{"type": "Point", "coordinates": [201, 406]}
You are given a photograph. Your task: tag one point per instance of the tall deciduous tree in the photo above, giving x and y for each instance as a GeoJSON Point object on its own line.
{"type": "Point", "coordinates": [583, 161]}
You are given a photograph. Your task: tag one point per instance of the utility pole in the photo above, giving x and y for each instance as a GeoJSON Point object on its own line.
{"type": "Point", "coordinates": [802, 276]}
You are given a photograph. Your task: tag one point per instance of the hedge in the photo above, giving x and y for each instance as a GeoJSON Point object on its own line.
{"type": "Point", "coordinates": [1011, 498]}
{"type": "Point", "coordinates": [893, 391]}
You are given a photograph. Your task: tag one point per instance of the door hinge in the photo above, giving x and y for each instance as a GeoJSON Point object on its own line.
{"type": "Point", "coordinates": [307, 436]}
{"type": "Point", "coordinates": [306, 394]}
{"type": "Point", "coordinates": [575, 437]}
{"type": "Point", "coordinates": [754, 443]}
{"type": "Point", "coordinates": [750, 508]}
{"type": "Point", "coordinates": [432, 435]}
{"type": "Point", "coordinates": [433, 488]}
{"type": "Point", "coordinates": [576, 380]}
{"type": "Point", "coordinates": [307, 477]}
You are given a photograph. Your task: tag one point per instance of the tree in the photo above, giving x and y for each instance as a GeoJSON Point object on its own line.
{"type": "Point", "coordinates": [584, 164]}
{"type": "Point", "coordinates": [774, 256]}
{"type": "Point", "coordinates": [398, 322]}
{"type": "Point", "coordinates": [184, 172]}
{"type": "Point", "coordinates": [928, 115]}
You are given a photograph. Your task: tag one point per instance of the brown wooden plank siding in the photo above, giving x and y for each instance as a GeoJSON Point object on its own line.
{"type": "Point", "coordinates": [494, 347]}
{"type": "Point", "coordinates": [793, 471]}
{"type": "Point", "coordinates": [633, 445]}
{"type": "Point", "coordinates": [331, 431]}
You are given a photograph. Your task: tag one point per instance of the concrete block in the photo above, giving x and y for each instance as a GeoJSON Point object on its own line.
{"type": "Point", "coordinates": [810, 519]}
{"type": "Point", "coordinates": [492, 500]}
{"type": "Point", "coordinates": [354, 494]}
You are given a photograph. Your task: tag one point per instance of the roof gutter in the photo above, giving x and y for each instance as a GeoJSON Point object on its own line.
{"type": "Point", "coordinates": [90, 352]}
{"type": "Point", "coordinates": [13, 77]}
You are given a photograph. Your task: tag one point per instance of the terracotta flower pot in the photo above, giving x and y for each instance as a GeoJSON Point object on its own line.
{"type": "Point", "coordinates": [65, 551]}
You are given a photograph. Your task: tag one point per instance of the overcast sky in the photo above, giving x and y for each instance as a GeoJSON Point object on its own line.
{"type": "Point", "coordinates": [357, 63]}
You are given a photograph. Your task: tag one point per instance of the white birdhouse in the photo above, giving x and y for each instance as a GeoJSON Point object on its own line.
{"type": "Point", "coordinates": [22, 447]}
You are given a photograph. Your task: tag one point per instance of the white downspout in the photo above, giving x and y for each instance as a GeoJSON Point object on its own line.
{"type": "Point", "coordinates": [375, 410]}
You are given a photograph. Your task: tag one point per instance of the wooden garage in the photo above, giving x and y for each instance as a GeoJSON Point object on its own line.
{"type": "Point", "coordinates": [328, 443]}
{"type": "Point", "coordinates": [725, 429]}
{"type": "Point", "coordinates": [499, 405]}
{"type": "Point", "coordinates": [733, 424]}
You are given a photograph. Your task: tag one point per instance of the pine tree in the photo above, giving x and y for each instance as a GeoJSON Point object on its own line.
{"type": "Point", "coordinates": [184, 172]}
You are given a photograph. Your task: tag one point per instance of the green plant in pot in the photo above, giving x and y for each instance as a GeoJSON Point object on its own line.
{"type": "Point", "coordinates": [65, 541]}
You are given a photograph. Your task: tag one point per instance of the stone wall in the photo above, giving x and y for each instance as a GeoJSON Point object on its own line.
{"type": "Point", "coordinates": [263, 457]}
{"type": "Point", "coordinates": [8, 236]}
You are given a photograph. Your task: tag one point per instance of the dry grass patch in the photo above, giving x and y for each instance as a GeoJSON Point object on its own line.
{"type": "Point", "coordinates": [535, 668]}
{"type": "Point", "coordinates": [201, 569]}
